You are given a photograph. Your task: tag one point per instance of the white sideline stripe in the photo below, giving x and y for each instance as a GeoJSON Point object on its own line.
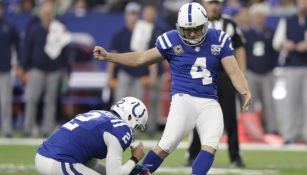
{"type": "Point", "coordinates": [182, 145]}
{"type": "Point", "coordinates": [13, 168]}
{"type": "Point", "coordinates": [219, 171]}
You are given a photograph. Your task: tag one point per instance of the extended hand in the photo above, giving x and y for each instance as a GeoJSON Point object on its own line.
{"type": "Point", "coordinates": [138, 151]}
{"type": "Point", "coordinates": [247, 100]}
{"type": "Point", "coordinates": [100, 53]}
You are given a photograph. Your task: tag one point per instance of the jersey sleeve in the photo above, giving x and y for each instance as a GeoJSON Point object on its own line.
{"type": "Point", "coordinates": [164, 45]}
{"type": "Point", "coordinates": [114, 157]}
{"type": "Point", "coordinates": [226, 44]}
{"type": "Point", "coordinates": [123, 133]}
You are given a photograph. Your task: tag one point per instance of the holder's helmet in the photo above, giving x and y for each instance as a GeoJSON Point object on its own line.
{"type": "Point", "coordinates": [133, 111]}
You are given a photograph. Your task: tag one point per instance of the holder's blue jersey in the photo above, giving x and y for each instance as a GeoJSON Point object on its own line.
{"type": "Point", "coordinates": [194, 70]}
{"type": "Point", "coordinates": [81, 139]}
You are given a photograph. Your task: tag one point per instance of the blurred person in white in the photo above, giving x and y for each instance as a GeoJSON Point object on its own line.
{"type": "Point", "coordinates": [261, 60]}
{"type": "Point", "coordinates": [9, 38]}
{"type": "Point", "coordinates": [291, 39]}
{"type": "Point", "coordinates": [124, 80]}
{"type": "Point", "coordinates": [143, 37]}
{"type": "Point", "coordinates": [43, 60]}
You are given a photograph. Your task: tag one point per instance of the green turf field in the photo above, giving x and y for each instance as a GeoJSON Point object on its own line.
{"type": "Point", "coordinates": [19, 160]}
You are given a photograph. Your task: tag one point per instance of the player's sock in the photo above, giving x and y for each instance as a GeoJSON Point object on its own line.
{"type": "Point", "coordinates": [202, 163]}
{"type": "Point", "coordinates": [152, 161]}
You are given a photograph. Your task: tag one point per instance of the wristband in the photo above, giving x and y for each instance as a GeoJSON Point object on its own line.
{"type": "Point", "coordinates": [134, 159]}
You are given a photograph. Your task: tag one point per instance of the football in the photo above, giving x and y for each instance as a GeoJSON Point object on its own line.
{"type": "Point", "coordinates": [145, 173]}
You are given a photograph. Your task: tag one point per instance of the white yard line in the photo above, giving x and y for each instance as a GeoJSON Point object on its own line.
{"type": "Point", "coordinates": [182, 145]}
{"type": "Point", "coordinates": [14, 168]}
{"type": "Point", "coordinates": [219, 171]}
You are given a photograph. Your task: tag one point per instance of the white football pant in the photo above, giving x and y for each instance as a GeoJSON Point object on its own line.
{"type": "Point", "coordinates": [48, 166]}
{"type": "Point", "coordinates": [186, 113]}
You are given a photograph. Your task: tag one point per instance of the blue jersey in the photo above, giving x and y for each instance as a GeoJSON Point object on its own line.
{"type": "Point", "coordinates": [194, 70]}
{"type": "Point", "coordinates": [81, 139]}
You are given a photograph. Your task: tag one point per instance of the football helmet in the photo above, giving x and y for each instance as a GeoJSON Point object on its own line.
{"type": "Point", "coordinates": [132, 111]}
{"type": "Point", "coordinates": [192, 15]}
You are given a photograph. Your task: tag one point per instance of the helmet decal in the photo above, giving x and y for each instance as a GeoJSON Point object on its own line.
{"type": "Point", "coordinates": [204, 14]}
{"type": "Point", "coordinates": [190, 12]}
{"type": "Point", "coordinates": [133, 110]}
{"type": "Point", "coordinates": [120, 102]}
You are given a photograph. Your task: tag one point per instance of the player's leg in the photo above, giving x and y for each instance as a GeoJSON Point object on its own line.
{"type": "Point", "coordinates": [227, 100]}
{"type": "Point", "coordinates": [194, 148]}
{"type": "Point", "coordinates": [33, 92]}
{"type": "Point", "coordinates": [123, 88]}
{"type": "Point", "coordinates": [95, 165]}
{"type": "Point", "coordinates": [6, 103]}
{"type": "Point", "coordinates": [51, 94]}
{"type": "Point", "coordinates": [48, 166]}
{"type": "Point", "coordinates": [180, 121]}
{"type": "Point", "coordinates": [78, 168]}
{"type": "Point", "coordinates": [210, 128]}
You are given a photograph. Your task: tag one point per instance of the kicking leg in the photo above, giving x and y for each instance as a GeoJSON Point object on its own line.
{"type": "Point", "coordinates": [210, 128]}
{"type": "Point", "coordinates": [181, 120]}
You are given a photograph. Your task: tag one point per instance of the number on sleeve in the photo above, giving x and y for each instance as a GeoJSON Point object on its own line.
{"type": "Point", "coordinates": [203, 72]}
{"type": "Point", "coordinates": [126, 137]}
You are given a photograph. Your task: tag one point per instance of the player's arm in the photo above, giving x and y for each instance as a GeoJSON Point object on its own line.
{"type": "Point", "coordinates": [240, 54]}
{"type": "Point", "coordinates": [114, 156]}
{"type": "Point", "coordinates": [239, 50]}
{"type": "Point", "coordinates": [238, 80]}
{"type": "Point", "coordinates": [133, 59]}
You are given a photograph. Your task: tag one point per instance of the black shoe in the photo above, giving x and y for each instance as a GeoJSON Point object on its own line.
{"type": "Point", "coordinates": [237, 164]}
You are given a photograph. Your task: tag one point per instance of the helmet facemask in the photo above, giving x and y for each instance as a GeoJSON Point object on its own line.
{"type": "Point", "coordinates": [192, 42]}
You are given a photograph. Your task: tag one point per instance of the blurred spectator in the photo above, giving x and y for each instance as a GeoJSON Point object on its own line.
{"type": "Point", "coordinates": [290, 38]}
{"type": "Point", "coordinates": [9, 38]}
{"type": "Point", "coordinates": [231, 7]}
{"type": "Point", "coordinates": [80, 8]}
{"type": "Point", "coordinates": [261, 59]}
{"type": "Point", "coordinates": [126, 81]}
{"type": "Point", "coordinates": [283, 8]}
{"type": "Point", "coordinates": [170, 11]}
{"type": "Point", "coordinates": [43, 60]}
{"type": "Point", "coordinates": [62, 6]}
{"type": "Point", "coordinates": [242, 18]}
{"type": "Point", "coordinates": [107, 6]}
{"type": "Point", "coordinates": [27, 6]}
{"type": "Point", "coordinates": [143, 37]}
{"type": "Point", "coordinates": [11, 6]}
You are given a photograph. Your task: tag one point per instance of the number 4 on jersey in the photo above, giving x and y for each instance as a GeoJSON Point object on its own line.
{"type": "Point", "coordinates": [199, 70]}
